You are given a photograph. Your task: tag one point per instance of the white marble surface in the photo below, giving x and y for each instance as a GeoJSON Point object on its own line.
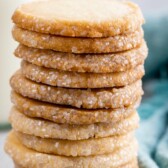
{"type": "Point", "coordinates": [5, 161]}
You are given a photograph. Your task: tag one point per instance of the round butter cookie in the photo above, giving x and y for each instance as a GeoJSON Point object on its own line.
{"type": "Point", "coordinates": [58, 78]}
{"type": "Point", "coordinates": [29, 158]}
{"type": "Point", "coordinates": [90, 147]}
{"type": "Point", "coordinates": [82, 18]}
{"type": "Point", "coordinates": [48, 129]}
{"type": "Point", "coordinates": [78, 45]}
{"type": "Point", "coordinates": [80, 98]}
{"type": "Point", "coordinates": [95, 63]}
{"type": "Point", "coordinates": [132, 164]}
{"type": "Point", "coordinates": [65, 115]}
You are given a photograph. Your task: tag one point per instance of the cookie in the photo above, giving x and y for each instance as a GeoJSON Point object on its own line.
{"type": "Point", "coordinates": [78, 45]}
{"type": "Point", "coordinates": [132, 164]}
{"type": "Point", "coordinates": [65, 115]}
{"type": "Point", "coordinates": [58, 78]}
{"type": "Point", "coordinates": [31, 159]}
{"type": "Point", "coordinates": [90, 147]}
{"type": "Point", "coordinates": [96, 63]}
{"type": "Point", "coordinates": [48, 129]}
{"type": "Point", "coordinates": [79, 18]}
{"type": "Point", "coordinates": [80, 98]}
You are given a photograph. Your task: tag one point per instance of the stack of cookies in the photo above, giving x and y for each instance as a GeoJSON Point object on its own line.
{"type": "Point", "coordinates": [76, 93]}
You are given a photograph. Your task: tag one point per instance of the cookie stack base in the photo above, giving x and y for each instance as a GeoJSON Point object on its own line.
{"type": "Point", "coordinates": [29, 158]}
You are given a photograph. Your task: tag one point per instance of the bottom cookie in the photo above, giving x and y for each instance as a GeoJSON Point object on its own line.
{"type": "Point", "coordinates": [28, 158]}
{"type": "Point", "coordinates": [132, 164]}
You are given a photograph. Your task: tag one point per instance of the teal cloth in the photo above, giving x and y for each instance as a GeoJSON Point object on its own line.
{"type": "Point", "coordinates": [153, 132]}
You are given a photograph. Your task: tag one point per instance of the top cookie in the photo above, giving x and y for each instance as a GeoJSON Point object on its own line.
{"type": "Point", "coordinates": [84, 18]}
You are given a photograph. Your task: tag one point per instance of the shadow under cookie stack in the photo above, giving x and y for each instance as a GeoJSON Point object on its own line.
{"type": "Point", "coordinates": [76, 94]}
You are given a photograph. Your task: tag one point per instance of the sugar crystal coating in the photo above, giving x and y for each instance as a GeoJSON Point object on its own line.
{"type": "Point", "coordinates": [88, 147]}
{"type": "Point", "coordinates": [86, 98]}
{"type": "Point", "coordinates": [30, 158]}
{"type": "Point", "coordinates": [80, 80]}
{"type": "Point", "coordinates": [48, 129]}
{"type": "Point", "coordinates": [131, 164]}
{"type": "Point", "coordinates": [96, 63]}
{"type": "Point", "coordinates": [78, 45]}
{"type": "Point", "coordinates": [67, 115]}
